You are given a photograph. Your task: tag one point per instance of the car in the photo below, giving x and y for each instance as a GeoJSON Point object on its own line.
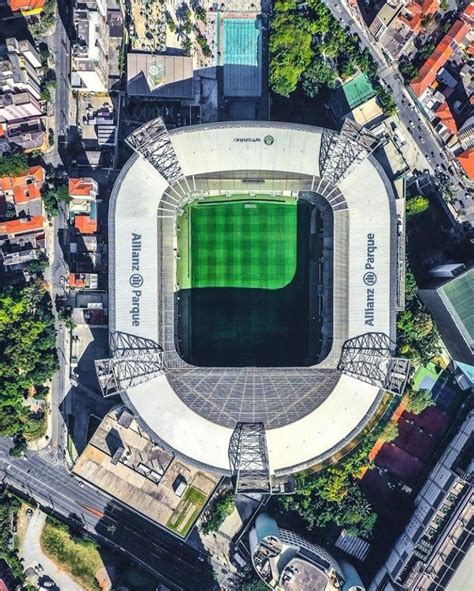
{"type": "Point", "coordinates": [451, 170]}
{"type": "Point", "coordinates": [29, 511]}
{"type": "Point", "coordinates": [422, 140]}
{"type": "Point", "coordinates": [411, 124]}
{"type": "Point", "coordinates": [81, 484]}
{"type": "Point", "coordinates": [443, 166]}
{"type": "Point", "coordinates": [61, 131]}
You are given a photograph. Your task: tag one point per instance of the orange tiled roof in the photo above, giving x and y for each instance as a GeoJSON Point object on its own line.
{"type": "Point", "coordinates": [446, 117]}
{"type": "Point", "coordinates": [80, 187]}
{"type": "Point", "coordinates": [439, 57]}
{"type": "Point", "coordinates": [25, 187]}
{"type": "Point", "coordinates": [85, 225]}
{"type": "Point", "coordinates": [416, 11]}
{"type": "Point", "coordinates": [468, 14]}
{"type": "Point", "coordinates": [466, 160]}
{"type": "Point", "coordinates": [19, 226]}
{"type": "Point", "coordinates": [75, 280]}
{"type": "Point", "coordinates": [26, 5]}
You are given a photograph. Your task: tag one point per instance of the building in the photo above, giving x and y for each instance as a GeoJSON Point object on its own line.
{"type": "Point", "coordinates": [398, 22]}
{"type": "Point", "coordinates": [83, 193]}
{"type": "Point", "coordinates": [287, 562]}
{"type": "Point", "coordinates": [466, 161]}
{"type": "Point", "coordinates": [20, 67]}
{"type": "Point", "coordinates": [435, 549]}
{"type": "Point", "coordinates": [122, 460]}
{"type": "Point", "coordinates": [90, 51]}
{"type": "Point", "coordinates": [160, 76]}
{"type": "Point", "coordinates": [206, 411]}
{"type": "Point", "coordinates": [442, 53]}
{"type": "Point", "coordinates": [21, 121]}
{"type": "Point", "coordinates": [23, 192]}
{"type": "Point", "coordinates": [26, 7]}
{"type": "Point", "coordinates": [450, 302]}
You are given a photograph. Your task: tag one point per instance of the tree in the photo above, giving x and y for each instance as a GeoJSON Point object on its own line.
{"type": "Point", "coordinates": [444, 5]}
{"type": "Point", "coordinates": [389, 107]}
{"type": "Point", "coordinates": [390, 432]}
{"type": "Point", "coordinates": [290, 52]}
{"type": "Point", "coordinates": [408, 70]}
{"type": "Point", "coordinates": [13, 164]}
{"type": "Point", "coordinates": [19, 446]}
{"type": "Point", "coordinates": [28, 341]}
{"type": "Point", "coordinates": [200, 13]}
{"type": "Point", "coordinates": [417, 204]}
{"type": "Point", "coordinates": [37, 266]}
{"type": "Point", "coordinates": [319, 74]}
{"type": "Point", "coordinates": [65, 316]}
{"type": "Point", "coordinates": [254, 585]}
{"type": "Point", "coordinates": [411, 287]}
{"type": "Point", "coordinates": [220, 509]}
{"type": "Point", "coordinates": [419, 400]}
{"type": "Point", "coordinates": [426, 50]}
{"type": "Point", "coordinates": [54, 197]}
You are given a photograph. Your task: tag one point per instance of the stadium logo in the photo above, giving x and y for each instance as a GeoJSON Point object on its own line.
{"type": "Point", "coordinates": [268, 139]}
{"type": "Point", "coordinates": [370, 278]}
{"type": "Point", "coordinates": [136, 280]}
{"type": "Point", "coordinates": [246, 140]}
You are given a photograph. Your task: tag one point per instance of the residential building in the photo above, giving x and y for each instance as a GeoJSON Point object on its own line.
{"type": "Point", "coordinates": [18, 227]}
{"type": "Point", "coordinates": [450, 302]}
{"type": "Point", "coordinates": [83, 193]}
{"type": "Point", "coordinates": [442, 53]}
{"type": "Point", "coordinates": [90, 51]}
{"type": "Point", "coordinates": [116, 50]}
{"type": "Point", "coordinates": [20, 68]}
{"type": "Point", "coordinates": [435, 549]}
{"type": "Point", "coordinates": [466, 161]}
{"type": "Point", "coordinates": [285, 561]}
{"type": "Point", "coordinates": [398, 22]}
{"type": "Point", "coordinates": [26, 7]}
{"type": "Point", "coordinates": [21, 121]}
{"type": "Point", "coordinates": [445, 124]}
{"type": "Point", "coordinates": [23, 192]}
{"type": "Point", "coordinates": [466, 134]}
{"type": "Point", "coordinates": [83, 280]}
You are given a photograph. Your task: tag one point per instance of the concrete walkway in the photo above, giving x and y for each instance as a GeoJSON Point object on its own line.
{"type": "Point", "coordinates": [33, 554]}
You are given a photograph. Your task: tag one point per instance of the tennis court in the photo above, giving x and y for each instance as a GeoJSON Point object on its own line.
{"type": "Point", "coordinates": [238, 243]}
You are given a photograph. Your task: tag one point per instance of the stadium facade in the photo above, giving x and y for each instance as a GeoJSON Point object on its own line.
{"type": "Point", "coordinates": [255, 423]}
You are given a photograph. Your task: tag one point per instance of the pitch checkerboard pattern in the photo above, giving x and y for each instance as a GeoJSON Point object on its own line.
{"type": "Point", "coordinates": [244, 244]}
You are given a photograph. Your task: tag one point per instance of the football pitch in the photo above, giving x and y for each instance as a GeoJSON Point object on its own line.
{"type": "Point", "coordinates": [238, 242]}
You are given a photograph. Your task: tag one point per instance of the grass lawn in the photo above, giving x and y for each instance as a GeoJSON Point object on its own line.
{"type": "Point", "coordinates": [238, 242]}
{"type": "Point", "coordinates": [79, 558]}
{"type": "Point", "coordinates": [188, 509]}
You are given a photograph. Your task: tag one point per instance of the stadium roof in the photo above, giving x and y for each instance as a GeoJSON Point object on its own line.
{"type": "Point", "coordinates": [309, 412]}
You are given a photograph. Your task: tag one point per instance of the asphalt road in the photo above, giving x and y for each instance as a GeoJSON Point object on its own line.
{"type": "Point", "coordinates": [434, 156]}
{"type": "Point", "coordinates": [175, 563]}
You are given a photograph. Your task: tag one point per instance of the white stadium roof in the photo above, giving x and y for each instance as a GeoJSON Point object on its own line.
{"type": "Point", "coordinates": [363, 213]}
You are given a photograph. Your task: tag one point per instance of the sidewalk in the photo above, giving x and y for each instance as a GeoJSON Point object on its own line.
{"type": "Point", "coordinates": [33, 554]}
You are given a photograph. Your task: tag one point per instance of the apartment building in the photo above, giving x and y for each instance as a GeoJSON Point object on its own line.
{"type": "Point", "coordinates": [435, 545]}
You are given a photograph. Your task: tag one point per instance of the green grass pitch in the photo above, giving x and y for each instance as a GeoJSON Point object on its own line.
{"type": "Point", "coordinates": [236, 242]}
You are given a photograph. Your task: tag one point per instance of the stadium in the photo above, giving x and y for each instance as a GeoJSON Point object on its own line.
{"type": "Point", "coordinates": [252, 278]}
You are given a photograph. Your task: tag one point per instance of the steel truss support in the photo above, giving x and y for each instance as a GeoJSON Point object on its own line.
{"type": "Point", "coordinates": [248, 458]}
{"type": "Point", "coordinates": [339, 151]}
{"type": "Point", "coordinates": [369, 358]}
{"type": "Point", "coordinates": [152, 141]}
{"type": "Point", "coordinates": [133, 360]}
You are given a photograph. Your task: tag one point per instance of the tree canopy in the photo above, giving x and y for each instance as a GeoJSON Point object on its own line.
{"type": "Point", "coordinates": [28, 346]}
{"type": "Point", "coordinates": [417, 204]}
{"type": "Point", "coordinates": [219, 510]}
{"type": "Point", "coordinates": [419, 400]}
{"type": "Point", "coordinates": [13, 164]}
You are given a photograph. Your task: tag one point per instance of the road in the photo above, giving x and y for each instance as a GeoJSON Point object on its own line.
{"type": "Point", "coordinates": [177, 564]}
{"type": "Point", "coordinates": [413, 124]}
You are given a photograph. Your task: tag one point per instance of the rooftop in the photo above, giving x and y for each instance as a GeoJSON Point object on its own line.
{"type": "Point", "coordinates": [22, 225]}
{"type": "Point", "coordinates": [445, 116]}
{"type": "Point", "coordinates": [301, 574]}
{"type": "Point", "coordinates": [85, 225]}
{"type": "Point", "coordinates": [466, 160]}
{"type": "Point", "coordinates": [81, 187]}
{"type": "Point", "coordinates": [123, 461]}
{"type": "Point", "coordinates": [164, 76]}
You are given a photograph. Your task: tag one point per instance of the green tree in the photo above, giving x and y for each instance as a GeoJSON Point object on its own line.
{"type": "Point", "coordinates": [411, 286]}
{"type": "Point", "coordinates": [200, 13]}
{"type": "Point", "coordinates": [38, 265]}
{"type": "Point", "coordinates": [219, 510]}
{"type": "Point", "coordinates": [389, 107]}
{"type": "Point", "coordinates": [319, 74]}
{"type": "Point", "coordinates": [390, 432]}
{"type": "Point", "coordinates": [19, 446]}
{"type": "Point", "coordinates": [417, 204]}
{"type": "Point", "coordinates": [426, 50]}
{"type": "Point", "coordinates": [444, 5]}
{"type": "Point", "coordinates": [254, 585]}
{"type": "Point", "coordinates": [65, 316]}
{"type": "Point", "coordinates": [408, 70]}
{"type": "Point", "coordinates": [13, 164]}
{"type": "Point", "coordinates": [28, 341]}
{"type": "Point", "coordinates": [54, 197]}
{"type": "Point", "coordinates": [290, 52]}
{"type": "Point", "coordinates": [419, 400]}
